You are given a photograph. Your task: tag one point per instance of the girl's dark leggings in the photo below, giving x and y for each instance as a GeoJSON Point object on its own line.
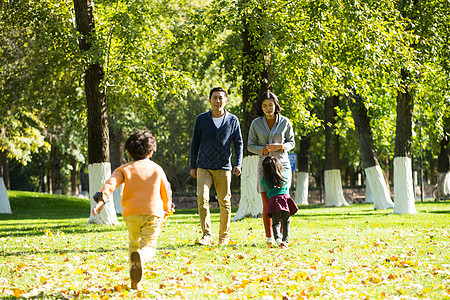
{"type": "Point", "coordinates": [284, 217]}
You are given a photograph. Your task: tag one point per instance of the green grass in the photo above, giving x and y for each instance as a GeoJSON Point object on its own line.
{"type": "Point", "coordinates": [47, 251]}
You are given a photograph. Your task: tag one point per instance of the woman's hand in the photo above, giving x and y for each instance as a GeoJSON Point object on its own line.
{"type": "Point", "coordinates": [274, 147]}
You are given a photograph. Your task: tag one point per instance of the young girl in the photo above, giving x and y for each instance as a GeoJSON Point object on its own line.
{"type": "Point", "coordinates": [281, 206]}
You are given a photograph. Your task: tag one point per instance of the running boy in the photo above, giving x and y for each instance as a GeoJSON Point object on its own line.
{"type": "Point", "coordinates": [146, 200]}
{"type": "Point", "coordinates": [281, 206]}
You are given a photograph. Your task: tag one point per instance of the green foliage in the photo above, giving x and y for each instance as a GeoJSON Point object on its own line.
{"type": "Point", "coordinates": [21, 136]}
{"type": "Point", "coordinates": [38, 76]}
{"type": "Point", "coordinates": [162, 57]}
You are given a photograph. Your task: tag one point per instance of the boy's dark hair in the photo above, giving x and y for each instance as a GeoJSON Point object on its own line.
{"type": "Point", "coordinates": [272, 171]}
{"type": "Point", "coordinates": [264, 96]}
{"type": "Point", "coordinates": [217, 89]}
{"type": "Point", "coordinates": [140, 144]}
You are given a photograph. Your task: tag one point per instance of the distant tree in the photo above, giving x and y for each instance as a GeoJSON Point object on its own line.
{"type": "Point", "coordinates": [303, 160]}
{"type": "Point", "coordinates": [375, 183]}
{"type": "Point", "coordinates": [334, 195]}
{"type": "Point", "coordinates": [98, 135]}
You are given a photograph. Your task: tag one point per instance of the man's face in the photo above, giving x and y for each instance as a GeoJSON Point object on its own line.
{"type": "Point", "coordinates": [218, 100]}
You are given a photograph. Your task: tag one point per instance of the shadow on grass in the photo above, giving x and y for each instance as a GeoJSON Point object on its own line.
{"type": "Point", "coordinates": [192, 211]}
{"type": "Point", "coordinates": [61, 252]}
{"type": "Point", "coordinates": [42, 229]}
{"type": "Point", "coordinates": [446, 212]}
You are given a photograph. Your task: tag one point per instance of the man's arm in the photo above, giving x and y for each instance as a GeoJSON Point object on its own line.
{"type": "Point", "coordinates": [195, 145]}
{"type": "Point", "coordinates": [238, 148]}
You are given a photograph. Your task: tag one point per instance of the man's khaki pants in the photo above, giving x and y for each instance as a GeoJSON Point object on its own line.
{"type": "Point", "coordinates": [143, 232]}
{"type": "Point", "coordinates": [222, 183]}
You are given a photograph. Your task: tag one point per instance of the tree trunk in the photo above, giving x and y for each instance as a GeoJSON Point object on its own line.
{"type": "Point", "coordinates": [83, 180]}
{"type": "Point", "coordinates": [5, 207]}
{"type": "Point", "coordinates": [55, 171]}
{"type": "Point", "coordinates": [443, 168]}
{"type": "Point", "coordinates": [117, 158]}
{"type": "Point", "coordinates": [387, 172]}
{"type": "Point", "coordinates": [403, 184]}
{"type": "Point", "coordinates": [255, 76]}
{"type": "Point", "coordinates": [250, 204]}
{"type": "Point", "coordinates": [73, 176]}
{"type": "Point", "coordinates": [98, 135]}
{"type": "Point", "coordinates": [5, 168]}
{"type": "Point", "coordinates": [43, 182]}
{"type": "Point", "coordinates": [301, 193]}
{"type": "Point", "coordinates": [49, 181]}
{"type": "Point", "coordinates": [334, 195]}
{"type": "Point", "coordinates": [375, 183]}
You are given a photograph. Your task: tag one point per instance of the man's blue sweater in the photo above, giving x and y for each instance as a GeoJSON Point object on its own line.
{"type": "Point", "coordinates": [211, 146]}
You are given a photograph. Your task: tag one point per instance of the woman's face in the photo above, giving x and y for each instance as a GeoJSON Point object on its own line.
{"type": "Point", "coordinates": [268, 107]}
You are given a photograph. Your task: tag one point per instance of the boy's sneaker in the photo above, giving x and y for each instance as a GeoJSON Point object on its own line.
{"type": "Point", "coordinates": [135, 270]}
{"type": "Point", "coordinates": [206, 240]}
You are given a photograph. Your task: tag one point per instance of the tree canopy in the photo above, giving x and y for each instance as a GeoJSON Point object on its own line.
{"type": "Point", "coordinates": [161, 58]}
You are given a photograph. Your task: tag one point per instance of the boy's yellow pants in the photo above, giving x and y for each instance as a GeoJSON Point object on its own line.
{"type": "Point", "coordinates": [143, 232]}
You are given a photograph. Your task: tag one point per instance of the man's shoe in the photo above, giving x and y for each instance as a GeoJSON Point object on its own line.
{"type": "Point", "coordinates": [269, 241]}
{"type": "Point", "coordinates": [283, 245]}
{"type": "Point", "coordinates": [136, 269]}
{"type": "Point", "coordinates": [224, 242]}
{"type": "Point", "coordinates": [206, 240]}
{"type": "Point", "coordinates": [136, 286]}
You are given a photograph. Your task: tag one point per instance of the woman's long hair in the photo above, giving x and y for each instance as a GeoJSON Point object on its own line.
{"type": "Point", "coordinates": [264, 96]}
{"type": "Point", "coordinates": [272, 171]}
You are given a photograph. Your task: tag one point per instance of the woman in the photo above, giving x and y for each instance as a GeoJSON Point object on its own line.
{"type": "Point", "coordinates": [270, 134]}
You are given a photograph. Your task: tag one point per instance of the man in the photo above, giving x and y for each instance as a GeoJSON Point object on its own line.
{"type": "Point", "coordinates": [214, 132]}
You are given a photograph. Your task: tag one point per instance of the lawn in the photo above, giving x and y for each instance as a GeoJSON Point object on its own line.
{"type": "Point", "coordinates": [48, 252]}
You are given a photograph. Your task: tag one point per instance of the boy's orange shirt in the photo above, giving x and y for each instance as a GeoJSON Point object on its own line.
{"type": "Point", "coordinates": [146, 190]}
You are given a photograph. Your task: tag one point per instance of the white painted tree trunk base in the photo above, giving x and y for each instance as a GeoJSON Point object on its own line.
{"type": "Point", "coordinates": [334, 196]}
{"type": "Point", "coordinates": [5, 207]}
{"type": "Point", "coordinates": [250, 204]}
{"type": "Point", "coordinates": [378, 189]}
{"type": "Point", "coordinates": [369, 194]}
{"type": "Point", "coordinates": [444, 185]}
{"type": "Point", "coordinates": [98, 174]}
{"type": "Point", "coordinates": [403, 187]}
{"type": "Point", "coordinates": [118, 199]}
{"type": "Point", "coordinates": [301, 192]}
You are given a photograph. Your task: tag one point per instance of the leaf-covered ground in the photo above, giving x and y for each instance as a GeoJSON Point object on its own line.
{"type": "Point", "coordinates": [47, 251]}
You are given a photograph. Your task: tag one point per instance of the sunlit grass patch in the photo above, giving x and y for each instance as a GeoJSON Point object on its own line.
{"type": "Point", "coordinates": [48, 251]}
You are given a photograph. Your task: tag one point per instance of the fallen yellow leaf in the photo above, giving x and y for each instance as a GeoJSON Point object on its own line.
{"type": "Point", "coordinates": [392, 276]}
{"type": "Point", "coordinates": [18, 292]}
